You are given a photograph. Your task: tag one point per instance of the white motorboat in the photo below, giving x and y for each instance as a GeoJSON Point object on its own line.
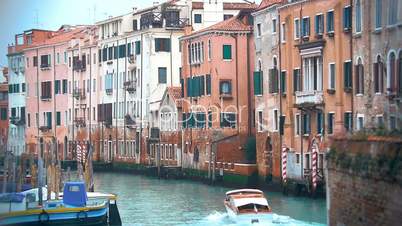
{"type": "Point", "coordinates": [248, 206]}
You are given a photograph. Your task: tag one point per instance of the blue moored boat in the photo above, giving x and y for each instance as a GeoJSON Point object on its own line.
{"type": "Point", "coordinates": [74, 209]}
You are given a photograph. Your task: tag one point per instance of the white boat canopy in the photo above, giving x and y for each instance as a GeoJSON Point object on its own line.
{"type": "Point", "coordinates": [245, 201]}
{"type": "Point", "coordinates": [249, 191]}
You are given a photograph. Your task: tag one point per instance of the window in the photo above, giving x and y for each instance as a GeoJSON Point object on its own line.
{"type": "Point", "coordinates": [273, 26]}
{"type": "Point", "coordinates": [46, 90]}
{"type": "Point", "coordinates": [58, 118]}
{"type": "Point", "coordinates": [3, 113]}
{"type": "Point", "coordinates": [358, 16]}
{"type": "Point", "coordinates": [306, 27]}
{"type": "Point", "coordinates": [378, 76]}
{"type": "Point", "coordinates": [297, 81]}
{"type": "Point", "coordinates": [319, 24]}
{"type": "Point", "coordinates": [65, 57]}
{"type": "Point", "coordinates": [348, 121]}
{"type": "Point", "coordinates": [35, 61]}
{"type": "Point", "coordinates": [312, 76]}
{"type": "Point", "coordinates": [227, 16]}
{"type": "Point", "coordinates": [197, 18]}
{"type": "Point", "coordinates": [297, 158]}
{"type": "Point", "coordinates": [162, 44]}
{"type": "Point", "coordinates": [122, 51]}
{"type": "Point", "coordinates": [347, 18]}
{"type": "Point", "coordinates": [228, 120]}
{"type": "Point", "coordinates": [273, 80]}
{"type": "Point", "coordinates": [283, 32]}
{"type": "Point", "coordinates": [320, 122]}
{"type": "Point", "coordinates": [109, 82]}
{"type": "Point", "coordinates": [57, 88]}
{"type": "Point", "coordinates": [225, 87]}
{"type": "Point", "coordinates": [64, 88]}
{"type": "Point", "coordinates": [45, 61]}
{"type": "Point", "coordinates": [332, 76]}
{"type": "Point", "coordinates": [48, 119]}
{"type": "Point", "coordinates": [391, 77]}
{"type": "Point", "coordinates": [378, 13]}
{"type": "Point", "coordinates": [209, 119]}
{"type": "Point", "coordinates": [208, 84]}
{"type": "Point", "coordinates": [392, 123]}
{"type": "Point", "coordinates": [380, 121]}
{"type": "Point", "coordinates": [260, 122]}
{"type": "Point", "coordinates": [162, 75]}
{"type": "Point", "coordinates": [94, 85]}
{"type": "Point", "coordinates": [330, 122]}
{"type": "Point", "coordinates": [330, 22]}
{"type": "Point", "coordinates": [209, 49]}
{"type": "Point", "coordinates": [200, 119]}
{"type": "Point", "coordinates": [283, 82]}
{"type": "Point", "coordinates": [29, 119]}
{"type": "Point", "coordinates": [135, 25]}
{"type": "Point", "coordinates": [360, 122]}
{"type": "Point", "coordinates": [392, 11]}
{"type": "Point", "coordinates": [258, 30]}
{"type": "Point", "coordinates": [276, 119]}
{"type": "Point", "coordinates": [138, 47]}
{"type": "Point", "coordinates": [58, 58]}
{"type": "Point", "coordinates": [258, 87]}
{"type": "Point", "coordinates": [359, 77]}
{"type": "Point", "coordinates": [306, 124]}
{"type": "Point", "coordinates": [399, 76]}
{"type": "Point", "coordinates": [227, 52]}
{"type": "Point", "coordinates": [347, 75]}
{"type": "Point", "coordinates": [297, 28]}
{"type": "Point", "coordinates": [297, 124]}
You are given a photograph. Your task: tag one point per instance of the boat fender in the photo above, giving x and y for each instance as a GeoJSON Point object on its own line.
{"type": "Point", "coordinates": [82, 216]}
{"type": "Point", "coordinates": [43, 217]}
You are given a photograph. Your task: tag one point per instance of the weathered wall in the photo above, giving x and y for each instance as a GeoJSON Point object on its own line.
{"type": "Point", "coordinates": [365, 182]}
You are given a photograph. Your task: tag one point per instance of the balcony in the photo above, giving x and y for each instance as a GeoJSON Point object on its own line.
{"type": "Point", "coordinates": [46, 97]}
{"type": "Point", "coordinates": [79, 94]}
{"type": "Point", "coordinates": [79, 122]}
{"type": "Point", "coordinates": [176, 23]}
{"type": "Point", "coordinates": [130, 86]}
{"type": "Point", "coordinates": [45, 67]}
{"type": "Point", "coordinates": [129, 121]}
{"type": "Point", "coordinates": [17, 121]}
{"type": "Point", "coordinates": [45, 128]}
{"type": "Point", "coordinates": [309, 98]}
{"type": "Point", "coordinates": [79, 65]}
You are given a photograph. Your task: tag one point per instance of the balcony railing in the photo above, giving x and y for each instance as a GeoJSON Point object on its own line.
{"type": "Point", "coordinates": [130, 86]}
{"type": "Point", "coordinates": [45, 128]}
{"type": "Point", "coordinates": [309, 98]}
{"type": "Point", "coordinates": [45, 66]}
{"type": "Point", "coordinates": [79, 94]}
{"type": "Point", "coordinates": [46, 97]}
{"type": "Point", "coordinates": [177, 23]}
{"type": "Point", "coordinates": [79, 122]}
{"type": "Point", "coordinates": [79, 65]}
{"type": "Point", "coordinates": [18, 121]}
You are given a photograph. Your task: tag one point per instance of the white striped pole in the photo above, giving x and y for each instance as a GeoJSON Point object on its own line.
{"type": "Point", "coordinates": [284, 161]}
{"type": "Point", "coordinates": [79, 153]}
{"type": "Point", "coordinates": [314, 173]}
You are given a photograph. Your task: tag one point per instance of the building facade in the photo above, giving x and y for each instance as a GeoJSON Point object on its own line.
{"type": "Point", "coordinates": [4, 122]}
{"type": "Point", "coordinates": [266, 99]}
{"type": "Point", "coordinates": [217, 103]}
{"type": "Point", "coordinates": [314, 84]}
{"type": "Point", "coordinates": [377, 60]}
{"type": "Point", "coordinates": [18, 87]}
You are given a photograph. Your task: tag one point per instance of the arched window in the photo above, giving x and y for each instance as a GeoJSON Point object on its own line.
{"type": "Point", "coordinates": [378, 75]}
{"type": "Point", "coordinates": [358, 16]}
{"type": "Point", "coordinates": [399, 73]}
{"type": "Point", "coordinates": [391, 78]}
{"type": "Point", "coordinates": [359, 77]}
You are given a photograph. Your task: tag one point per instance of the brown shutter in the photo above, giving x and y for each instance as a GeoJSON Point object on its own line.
{"type": "Point", "coordinates": [357, 84]}
{"type": "Point", "coordinates": [376, 79]}
{"type": "Point", "coordinates": [398, 77]}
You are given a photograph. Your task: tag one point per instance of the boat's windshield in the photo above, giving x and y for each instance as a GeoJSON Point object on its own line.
{"type": "Point", "coordinates": [253, 208]}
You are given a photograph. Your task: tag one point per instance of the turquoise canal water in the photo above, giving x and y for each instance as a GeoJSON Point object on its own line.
{"type": "Point", "coordinates": [149, 201]}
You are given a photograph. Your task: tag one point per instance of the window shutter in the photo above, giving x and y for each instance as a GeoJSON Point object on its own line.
{"type": "Point", "coordinates": [282, 124]}
{"type": "Point", "coordinates": [188, 87]}
{"type": "Point", "coordinates": [376, 79]}
{"type": "Point", "coordinates": [271, 78]}
{"type": "Point", "coordinates": [138, 47]}
{"type": "Point", "coordinates": [202, 85]}
{"type": "Point", "coordinates": [316, 25]}
{"type": "Point", "coordinates": [283, 82]}
{"type": "Point", "coordinates": [257, 83]}
{"type": "Point", "coordinates": [182, 87]}
{"type": "Point", "coordinates": [168, 45]}
{"type": "Point", "coordinates": [330, 123]}
{"type": "Point", "coordinates": [208, 78]}
{"type": "Point", "coordinates": [347, 74]}
{"type": "Point", "coordinates": [276, 80]}
{"type": "Point", "coordinates": [399, 74]}
{"type": "Point", "coordinates": [157, 44]}
{"type": "Point", "coordinates": [227, 52]}
{"type": "Point", "coordinates": [346, 120]}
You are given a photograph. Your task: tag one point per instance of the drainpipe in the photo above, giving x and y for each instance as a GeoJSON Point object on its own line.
{"type": "Point", "coordinates": [171, 60]}
{"type": "Point", "coordinates": [301, 110]}
{"type": "Point", "coordinates": [280, 92]}
{"type": "Point", "coordinates": [73, 108]}
{"type": "Point", "coordinates": [125, 100]}
{"type": "Point", "coordinates": [40, 161]}
{"type": "Point", "coordinates": [54, 102]}
{"type": "Point", "coordinates": [237, 82]}
{"type": "Point", "coordinates": [90, 97]}
{"type": "Point", "coordinates": [141, 115]}
{"type": "Point", "coordinates": [117, 100]}
{"type": "Point", "coordinates": [249, 112]}
{"type": "Point", "coordinates": [351, 57]}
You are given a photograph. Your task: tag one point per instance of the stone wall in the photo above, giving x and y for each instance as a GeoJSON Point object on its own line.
{"type": "Point", "coordinates": [365, 182]}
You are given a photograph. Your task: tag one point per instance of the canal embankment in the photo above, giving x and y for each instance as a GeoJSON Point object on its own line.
{"type": "Point", "coordinates": [365, 181]}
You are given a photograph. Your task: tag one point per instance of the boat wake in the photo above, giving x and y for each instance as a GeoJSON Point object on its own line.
{"type": "Point", "coordinates": [220, 218]}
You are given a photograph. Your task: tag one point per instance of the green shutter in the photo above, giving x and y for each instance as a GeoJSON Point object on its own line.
{"type": "Point", "coordinates": [58, 118]}
{"type": "Point", "coordinates": [348, 74]}
{"type": "Point", "coordinates": [138, 47]}
{"type": "Point", "coordinates": [257, 83]}
{"type": "Point", "coordinates": [188, 87]}
{"type": "Point", "coordinates": [227, 52]}
{"type": "Point", "coordinates": [202, 85]}
{"type": "Point", "coordinates": [157, 44]}
{"type": "Point", "coordinates": [208, 78]}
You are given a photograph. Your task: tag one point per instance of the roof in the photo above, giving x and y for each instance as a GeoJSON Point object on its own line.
{"type": "Point", "coordinates": [198, 5]}
{"type": "Point", "coordinates": [267, 3]}
{"type": "Point", "coordinates": [175, 94]}
{"type": "Point", "coordinates": [233, 24]}
{"type": "Point", "coordinates": [64, 35]}
{"type": "Point", "coordinates": [235, 6]}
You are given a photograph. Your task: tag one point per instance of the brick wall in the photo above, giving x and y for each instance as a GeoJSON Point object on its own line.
{"type": "Point", "coordinates": [365, 182]}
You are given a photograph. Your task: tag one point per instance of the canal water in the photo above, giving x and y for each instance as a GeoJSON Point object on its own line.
{"type": "Point", "coordinates": [149, 201]}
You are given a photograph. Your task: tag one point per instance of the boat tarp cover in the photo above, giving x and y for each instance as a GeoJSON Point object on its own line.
{"type": "Point", "coordinates": [74, 194]}
{"type": "Point", "coordinates": [12, 197]}
{"type": "Point", "coordinates": [245, 201]}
